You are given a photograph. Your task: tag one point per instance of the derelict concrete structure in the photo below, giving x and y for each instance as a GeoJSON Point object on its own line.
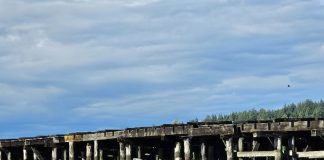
{"type": "Point", "coordinates": [281, 139]}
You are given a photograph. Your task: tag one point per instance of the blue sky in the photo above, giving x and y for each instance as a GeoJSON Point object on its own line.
{"type": "Point", "coordinates": [86, 65]}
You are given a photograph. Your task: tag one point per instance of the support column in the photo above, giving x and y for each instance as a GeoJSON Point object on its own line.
{"type": "Point", "coordinates": [128, 152]}
{"type": "Point", "coordinates": [65, 154]}
{"type": "Point", "coordinates": [88, 151]}
{"type": "Point", "coordinates": [203, 151]}
{"type": "Point", "coordinates": [95, 150]}
{"type": "Point", "coordinates": [24, 153]}
{"type": "Point", "coordinates": [160, 153]}
{"type": "Point", "coordinates": [187, 152]}
{"type": "Point", "coordinates": [139, 152]}
{"type": "Point", "coordinates": [71, 150]}
{"type": "Point", "coordinates": [210, 152]}
{"type": "Point", "coordinates": [9, 155]}
{"type": "Point", "coordinates": [0, 155]}
{"type": "Point", "coordinates": [278, 143]}
{"type": "Point", "coordinates": [292, 148]}
{"type": "Point", "coordinates": [241, 145]}
{"type": "Point", "coordinates": [177, 151]}
{"type": "Point", "coordinates": [100, 154]}
{"type": "Point", "coordinates": [229, 149]}
{"type": "Point", "coordinates": [54, 153]}
{"type": "Point", "coordinates": [122, 152]}
{"type": "Point", "coordinates": [35, 156]}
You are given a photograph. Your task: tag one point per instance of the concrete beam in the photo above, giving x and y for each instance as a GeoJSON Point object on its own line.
{"type": "Point", "coordinates": [250, 154]}
{"type": "Point", "coordinates": [311, 154]}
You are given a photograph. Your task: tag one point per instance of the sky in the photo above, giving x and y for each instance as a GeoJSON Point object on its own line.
{"type": "Point", "coordinates": [86, 65]}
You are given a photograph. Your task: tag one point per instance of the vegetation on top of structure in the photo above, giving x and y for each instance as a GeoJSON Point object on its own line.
{"type": "Point", "coordinates": [305, 109]}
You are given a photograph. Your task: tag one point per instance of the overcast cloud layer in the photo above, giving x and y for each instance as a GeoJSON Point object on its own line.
{"type": "Point", "coordinates": [85, 65]}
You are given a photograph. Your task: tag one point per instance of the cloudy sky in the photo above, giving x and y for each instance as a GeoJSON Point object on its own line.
{"type": "Point", "coordinates": [86, 65]}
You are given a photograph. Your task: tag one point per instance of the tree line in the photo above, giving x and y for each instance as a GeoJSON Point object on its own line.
{"type": "Point", "coordinates": [305, 109]}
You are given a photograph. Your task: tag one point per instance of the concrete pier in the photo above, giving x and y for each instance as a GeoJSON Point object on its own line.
{"type": "Point", "coordinates": [65, 154]}
{"type": "Point", "coordinates": [203, 151]}
{"type": "Point", "coordinates": [278, 142]}
{"type": "Point", "coordinates": [71, 150]}
{"type": "Point", "coordinates": [35, 156]}
{"type": "Point", "coordinates": [229, 149]}
{"type": "Point", "coordinates": [260, 140]}
{"type": "Point", "coordinates": [88, 151]}
{"type": "Point", "coordinates": [25, 156]}
{"type": "Point", "coordinates": [139, 152]}
{"type": "Point", "coordinates": [128, 149]}
{"type": "Point", "coordinates": [54, 153]}
{"type": "Point", "coordinates": [9, 156]}
{"type": "Point", "coordinates": [240, 145]}
{"type": "Point", "coordinates": [122, 151]}
{"type": "Point", "coordinates": [187, 151]}
{"type": "Point", "coordinates": [177, 151]}
{"type": "Point", "coordinates": [95, 150]}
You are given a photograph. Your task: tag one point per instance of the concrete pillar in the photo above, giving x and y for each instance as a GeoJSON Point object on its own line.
{"type": "Point", "coordinates": [65, 154]}
{"type": "Point", "coordinates": [241, 145]}
{"type": "Point", "coordinates": [193, 157]}
{"type": "Point", "coordinates": [211, 152]}
{"type": "Point", "coordinates": [95, 150]}
{"type": "Point", "coordinates": [139, 152]}
{"type": "Point", "coordinates": [24, 153]}
{"type": "Point", "coordinates": [292, 148]}
{"type": "Point", "coordinates": [278, 143]}
{"type": "Point", "coordinates": [71, 150]}
{"type": "Point", "coordinates": [35, 156]}
{"type": "Point", "coordinates": [122, 152]}
{"type": "Point", "coordinates": [88, 151]}
{"type": "Point", "coordinates": [160, 153]}
{"type": "Point", "coordinates": [128, 152]}
{"type": "Point", "coordinates": [229, 149]}
{"type": "Point", "coordinates": [100, 154]}
{"type": "Point", "coordinates": [177, 151]}
{"type": "Point", "coordinates": [0, 155]}
{"type": "Point", "coordinates": [83, 156]}
{"type": "Point", "coordinates": [54, 153]}
{"type": "Point", "coordinates": [203, 151]}
{"type": "Point", "coordinates": [186, 146]}
{"type": "Point", "coordinates": [9, 155]}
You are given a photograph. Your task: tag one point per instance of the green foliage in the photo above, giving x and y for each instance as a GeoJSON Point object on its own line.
{"type": "Point", "coordinates": [305, 109]}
